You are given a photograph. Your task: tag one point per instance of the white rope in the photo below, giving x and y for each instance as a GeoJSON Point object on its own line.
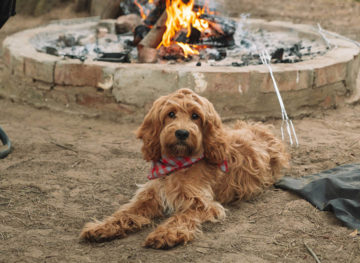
{"type": "Point", "coordinates": [266, 60]}
{"type": "Point", "coordinates": [321, 32]}
{"type": "Point", "coordinates": [337, 35]}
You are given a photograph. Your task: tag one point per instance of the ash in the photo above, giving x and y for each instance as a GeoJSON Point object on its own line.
{"type": "Point", "coordinates": [88, 44]}
{"type": "Point", "coordinates": [96, 43]}
{"type": "Point", "coordinates": [284, 47]}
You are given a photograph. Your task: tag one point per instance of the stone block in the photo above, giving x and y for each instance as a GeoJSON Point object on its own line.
{"type": "Point", "coordinates": [93, 98]}
{"type": "Point", "coordinates": [75, 73]}
{"type": "Point", "coordinates": [142, 85]}
{"type": "Point", "coordinates": [40, 67]}
{"type": "Point", "coordinates": [13, 60]}
{"type": "Point", "coordinates": [235, 83]}
{"type": "Point", "coordinates": [288, 80]}
{"type": "Point", "coordinates": [17, 65]}
{"type": "Point", "coordinates": [353, 69]}
{"type": "Point", "coordinates": [6, 55]}
{"type": "Point", "coordinates": [330, 74]}
{"type": "Point", "coordinates": [226, 89]}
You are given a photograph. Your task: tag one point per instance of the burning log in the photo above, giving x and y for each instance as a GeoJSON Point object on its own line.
{"type": "Point", "coordinates": [173, 52]}
{"type": "Point", "coordinates": [147, 47]}
{"type": "Point", "coordinates": [156, 13]}
{"type": "Point", "coordinates": [217, 41]}
{"type": "Point", "coordinates": [223, 26]}
{"type": "Point", "coordinates": [154, 37]}
{"type": "Point", "coordinates": [147, 55]}
{"type": "Point", "coordinates": [140, 33]}
{"type": "Point", "coordinates": [194, 37]}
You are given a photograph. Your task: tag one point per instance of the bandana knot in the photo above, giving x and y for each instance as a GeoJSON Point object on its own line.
{"type": "Point", "coordinates": [166, 166]}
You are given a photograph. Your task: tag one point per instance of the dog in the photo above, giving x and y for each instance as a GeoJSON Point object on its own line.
{"type": "Point", "coordinates": [198, 165]}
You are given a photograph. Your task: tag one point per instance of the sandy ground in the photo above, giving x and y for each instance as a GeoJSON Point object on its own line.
{"type": "Point", "coordinates": [66, 169]}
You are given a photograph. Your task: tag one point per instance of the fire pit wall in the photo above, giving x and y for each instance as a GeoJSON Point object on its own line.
{"type": "Point", "coordinates": [128, 90]}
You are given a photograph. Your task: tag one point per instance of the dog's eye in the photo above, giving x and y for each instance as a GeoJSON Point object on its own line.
{"type": "Point", "coordinates": [172, 115]}
{"type": "Point", "coordinates": [194, 116]}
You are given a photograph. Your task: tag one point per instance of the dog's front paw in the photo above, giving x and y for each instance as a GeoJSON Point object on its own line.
{"type": "Point", "coordinates": [164, 238]}
{"type": "Point", "coordinates": [99, 231]}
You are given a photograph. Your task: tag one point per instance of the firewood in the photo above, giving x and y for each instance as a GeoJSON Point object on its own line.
{"type": "Point", "coordinates": [147, 47]}
{"type": "Point", "coordinates": [148, 55]}
{"type": "Point", "coordinates": [154, 37]}
{"type": "Point", "coordinates": [156, 13]}
{"type": "Point", "coordinates": [226, 25]}
{"type": "Point", "coordinates": [139, 33]}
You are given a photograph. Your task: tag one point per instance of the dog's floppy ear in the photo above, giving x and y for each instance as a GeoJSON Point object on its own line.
{"type": "Point", "coordinates": [214, 142]}
{"type": "Point", "coordinates": [149, 132]}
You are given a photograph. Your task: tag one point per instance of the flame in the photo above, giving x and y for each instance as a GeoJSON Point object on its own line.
{"type": "Point", "coordinates": [142, 13]}
{"type": "Point", "coordinates": [180, 15]}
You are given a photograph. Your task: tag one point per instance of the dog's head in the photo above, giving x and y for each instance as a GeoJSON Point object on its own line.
{"type": "Point", "coordinates": [182, 124]}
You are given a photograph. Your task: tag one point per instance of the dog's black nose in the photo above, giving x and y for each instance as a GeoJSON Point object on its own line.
{"type": "Point", "coordinates": [182, 134]}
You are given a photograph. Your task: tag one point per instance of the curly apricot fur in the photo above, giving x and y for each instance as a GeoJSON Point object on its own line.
{"type": "Point", "coordinates": [194, 195]}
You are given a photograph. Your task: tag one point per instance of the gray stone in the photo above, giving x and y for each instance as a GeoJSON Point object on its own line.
{"type": "Point", "coordinates": [127, 23]}
{"type": "Point", "coordinates": [142, 86]}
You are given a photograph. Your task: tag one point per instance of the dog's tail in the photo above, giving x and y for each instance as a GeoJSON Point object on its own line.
{"type": "Point", "coordinates": [257, 159]}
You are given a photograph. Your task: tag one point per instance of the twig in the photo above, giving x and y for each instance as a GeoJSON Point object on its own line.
{"type": "Point", "coordinates": [76, 163]}
{"type": "Point", "coordinates": [64, 147]}
{"type": "Point", "coordinates": [312, 253]}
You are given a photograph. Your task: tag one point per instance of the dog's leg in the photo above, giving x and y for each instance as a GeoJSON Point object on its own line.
{"type": "Point", "coordinates": [183, 226]}
{"type": "Point", "coordinates": [142, 208]}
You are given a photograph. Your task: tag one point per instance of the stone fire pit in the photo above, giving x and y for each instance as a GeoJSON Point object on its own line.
{"type": "Point", "coordinates": [322, 82]}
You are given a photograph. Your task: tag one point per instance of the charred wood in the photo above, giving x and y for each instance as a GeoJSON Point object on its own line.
{"type": "Point", "coordinates": [194, 37]}
{"type": "Point", "coordinates": [139, 33]}
{"type": "Point", "coordinates": [128, 7]}
{"type": "Point", "coordinates": [216, 54]}
{"type": "Point", "coordinates": [296, 49]}
{"type": "Point", "coordinates": [278, 54]}
{"type": "Point", "coordinates": [217, 42]}
{"type": "Point", "coordinates": [147, 47]}
{"type": "Point", "coordinates": [155, 13]}
{"type": "Point", "coordinates": [226, 26]}
{"type": "Point", "coordinates": [154, 37]}
{"type": "Point", "coordinates": [173, 52]}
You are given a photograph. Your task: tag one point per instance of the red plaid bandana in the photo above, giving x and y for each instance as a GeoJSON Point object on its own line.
{"type": "Point", "coordinates": [166, 166]}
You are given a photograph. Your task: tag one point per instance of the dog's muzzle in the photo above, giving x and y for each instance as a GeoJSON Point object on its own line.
{"type": "Point", "coordinates": [182, 134]}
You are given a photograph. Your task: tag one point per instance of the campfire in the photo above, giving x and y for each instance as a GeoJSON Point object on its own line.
{"type": "Point", "coordinates": [182, 30]}
{"type": "Point", "coordinates": [178, 31]}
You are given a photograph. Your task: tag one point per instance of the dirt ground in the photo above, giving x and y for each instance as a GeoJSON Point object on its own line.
{"type": "Point", "coordinates": [67, 169]}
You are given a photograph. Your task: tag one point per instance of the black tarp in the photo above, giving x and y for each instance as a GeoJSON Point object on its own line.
{"type": "Point", "coordinates": [7, 9]}
{"type": "Point", "coordinates": [336, 190]}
